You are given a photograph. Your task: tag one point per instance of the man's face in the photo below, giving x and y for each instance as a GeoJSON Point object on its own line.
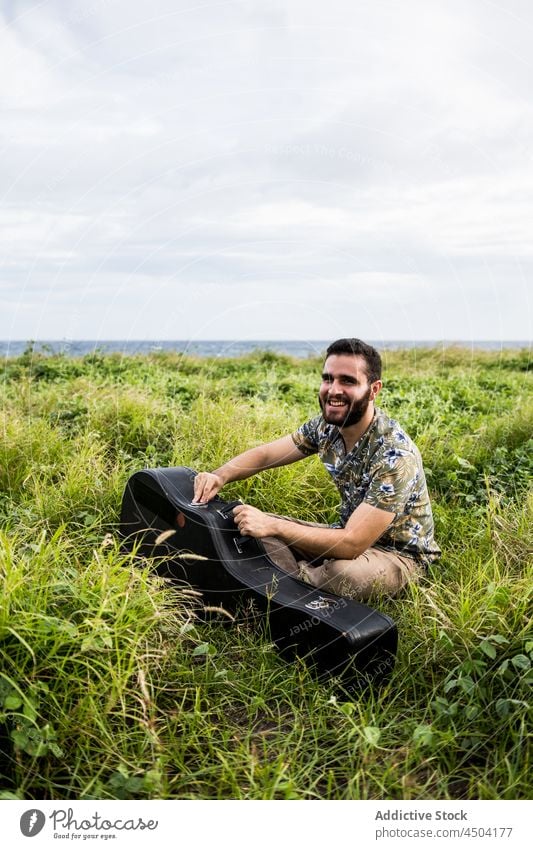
{"type": "Point", "coordinates": [345, 391]}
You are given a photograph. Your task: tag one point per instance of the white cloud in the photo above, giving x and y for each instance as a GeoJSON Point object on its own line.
{"type": "Point", "coordinates": [381, 149]}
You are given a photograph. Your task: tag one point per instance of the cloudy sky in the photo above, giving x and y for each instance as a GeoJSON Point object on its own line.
{"type": "Point", "coordinates": [266, 169]}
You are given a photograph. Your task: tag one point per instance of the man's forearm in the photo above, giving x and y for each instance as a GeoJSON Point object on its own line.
{"type": "Point", "coordinates": [270, 455]}
{"type": "Point", "coordinates": [245, 465]}
{"type": "Point", "coordinates": [338, 543]}
{"type": "Point", "coordinates": [267, 456]}
{"type": "Point", "coordinates": [365, 527]}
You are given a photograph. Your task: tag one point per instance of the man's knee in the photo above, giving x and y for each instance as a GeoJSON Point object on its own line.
{"type": "Point", "coordinates": [338, 568]}
{"type": "Point", "coordinates": [369, 574]}
{"type": "Point", "coordinates": [359, 578]}
{"type": "Point", "coordinates": [348, 578]}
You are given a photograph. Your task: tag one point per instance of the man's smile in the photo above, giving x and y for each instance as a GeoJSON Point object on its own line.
{"type": "Point", "coordinates": [337, 402]}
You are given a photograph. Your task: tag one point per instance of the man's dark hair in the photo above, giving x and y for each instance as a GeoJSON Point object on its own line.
{"type": "Point", "coordinates": [356, 346]}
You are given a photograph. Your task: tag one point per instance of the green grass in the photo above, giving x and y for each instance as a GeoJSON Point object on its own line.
{"type": "Point", "coordinates": [112, 687]}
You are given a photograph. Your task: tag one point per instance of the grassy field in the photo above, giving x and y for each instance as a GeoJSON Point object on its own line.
{"type": "Point", "coordinates": [110, 687]}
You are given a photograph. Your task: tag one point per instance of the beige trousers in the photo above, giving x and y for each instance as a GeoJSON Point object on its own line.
{"type": "Point", "coordinates": [376, 571]}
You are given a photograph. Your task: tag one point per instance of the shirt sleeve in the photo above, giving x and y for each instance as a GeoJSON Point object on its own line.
{"type": "Point", "coordinates": [394, 475]}
{"type": "Point", "coordinates": [306, 438]}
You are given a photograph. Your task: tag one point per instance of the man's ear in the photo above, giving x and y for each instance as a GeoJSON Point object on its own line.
{"type": "Point", "coordinates": [375, 389]}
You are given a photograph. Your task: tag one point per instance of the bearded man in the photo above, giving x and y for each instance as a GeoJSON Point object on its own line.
{"type": "Point", "coordinates": [384, 537]}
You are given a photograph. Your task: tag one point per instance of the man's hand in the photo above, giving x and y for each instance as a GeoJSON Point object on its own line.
{"type": "Point", "coordinates": [253, 522]}
{"type": "Point", "coordinates": [206, 486]}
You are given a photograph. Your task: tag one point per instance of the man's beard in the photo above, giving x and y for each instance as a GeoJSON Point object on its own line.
{"type": "Point", "coordinates": [355, 412]}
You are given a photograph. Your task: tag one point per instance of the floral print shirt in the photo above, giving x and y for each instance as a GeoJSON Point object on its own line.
{"type": "Point", "coordinates": [384, 469]}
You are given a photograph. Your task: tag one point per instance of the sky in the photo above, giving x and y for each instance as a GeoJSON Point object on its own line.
{"type": "Point", "coordinates": [266, 169]}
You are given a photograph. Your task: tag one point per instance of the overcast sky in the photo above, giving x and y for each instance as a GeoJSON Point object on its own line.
{"type": "Point", "coordinates": [266, 169]}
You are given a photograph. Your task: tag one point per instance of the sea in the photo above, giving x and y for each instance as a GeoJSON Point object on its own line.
{"type": "Point", "coordinates": [232, 347]}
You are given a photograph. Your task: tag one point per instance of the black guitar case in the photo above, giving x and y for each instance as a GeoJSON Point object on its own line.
{"type": "Point", "coordinates": [340, 636]}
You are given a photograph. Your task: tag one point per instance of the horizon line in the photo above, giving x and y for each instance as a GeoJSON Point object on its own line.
{"type": "Point", "coordinates": [284, 339]}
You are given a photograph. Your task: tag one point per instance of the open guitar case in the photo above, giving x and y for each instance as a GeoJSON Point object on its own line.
{"type": "Point", "coordinates": [339, 636]}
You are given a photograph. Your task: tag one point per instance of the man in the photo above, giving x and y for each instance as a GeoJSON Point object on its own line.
{"type": "Point", "coordinates": [384, 538]}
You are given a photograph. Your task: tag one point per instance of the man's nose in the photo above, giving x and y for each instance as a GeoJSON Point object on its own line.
{"type": "Point", "coordinates": [335, 388]}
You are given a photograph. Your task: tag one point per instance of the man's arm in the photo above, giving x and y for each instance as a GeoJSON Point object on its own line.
{"type": "Point", "coordinates": [268, 456]}
{"type": "Point", "coordinates": [363, 529]}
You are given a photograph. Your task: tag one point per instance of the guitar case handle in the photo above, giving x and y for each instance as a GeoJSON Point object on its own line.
{"type": "Point", "coordinates": [240, 542]}
{"type": "Point", "coordinates": [227, 509]}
